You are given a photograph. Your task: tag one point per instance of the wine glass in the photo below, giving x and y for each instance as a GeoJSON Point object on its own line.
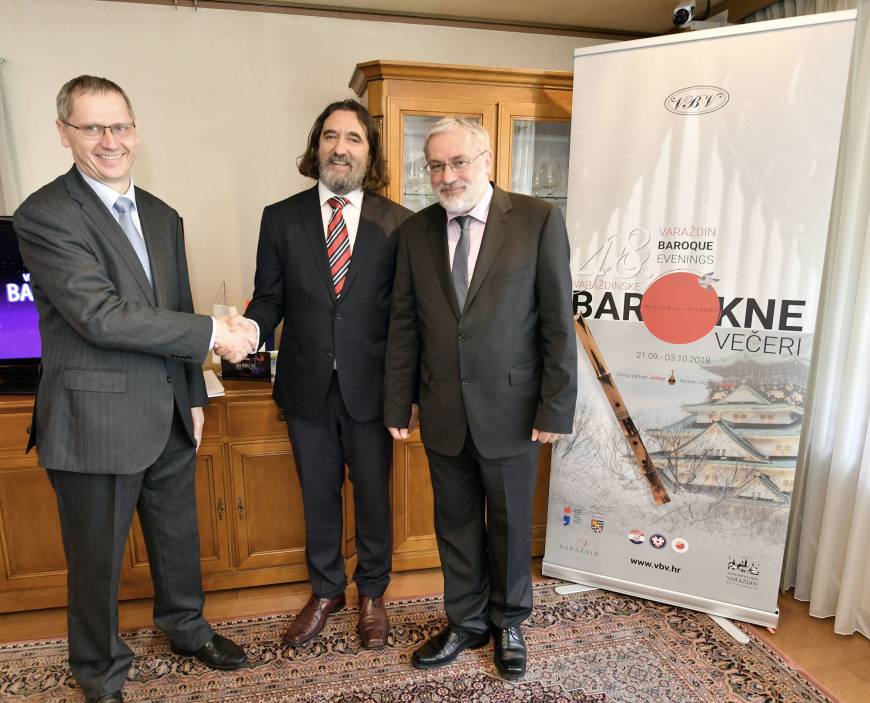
{"type": "Point", "coordinates": [549, 176]}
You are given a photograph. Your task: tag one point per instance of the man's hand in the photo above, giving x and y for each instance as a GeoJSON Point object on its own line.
{"type": "Point", "coordinates": [235, 338]}
{"type": "Point", "coordinates": [400, 433]}
{"type": "Point", "coordinates": [545, 437]}
{"type": "Point", "coordinates": [198, 421]}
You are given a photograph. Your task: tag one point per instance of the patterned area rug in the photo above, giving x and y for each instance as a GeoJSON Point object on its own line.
{"type": "Point", "coordinates": [594, 647]}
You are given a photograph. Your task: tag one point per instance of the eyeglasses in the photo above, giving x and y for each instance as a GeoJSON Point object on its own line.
{"type": "Point", "coordinates": [457, 165]}
{"type": "Point", "coordinates": [96, 131]}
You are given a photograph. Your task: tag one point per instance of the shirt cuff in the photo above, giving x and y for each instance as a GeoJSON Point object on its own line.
{"type": "Point", "coordinates": [259, 341]}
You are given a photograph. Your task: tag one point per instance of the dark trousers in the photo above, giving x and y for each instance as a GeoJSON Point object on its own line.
{"type": "Point", "coordinates": [95, 515]}
{"type": "Point", "coordinates": [483, 522]}
{"type": "Point", "coordinates": [322, 445]}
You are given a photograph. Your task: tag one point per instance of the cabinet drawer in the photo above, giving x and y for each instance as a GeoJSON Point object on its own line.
{"type": "Point", "coordinates": [255, 417]}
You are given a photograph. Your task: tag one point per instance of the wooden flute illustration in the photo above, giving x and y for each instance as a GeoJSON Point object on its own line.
{"type": "Point", "coordinates": [632, 436]}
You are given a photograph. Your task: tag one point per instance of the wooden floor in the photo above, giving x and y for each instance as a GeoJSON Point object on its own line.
{"type": "Point", "coordinates": [841, 664]}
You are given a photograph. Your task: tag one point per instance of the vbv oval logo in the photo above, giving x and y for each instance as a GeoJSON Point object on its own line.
{"type": "Point", "coordinates": [697, 100]}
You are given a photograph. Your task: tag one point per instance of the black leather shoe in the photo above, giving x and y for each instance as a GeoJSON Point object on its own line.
{"type": "Point", "coordinates": [116, 697]}
{"type": "Point", "coordinates": [217, 653]}
{"type": "Point", "coordinates": [444, 647]}
{"type": "Point", "coordinates": [510, 652]}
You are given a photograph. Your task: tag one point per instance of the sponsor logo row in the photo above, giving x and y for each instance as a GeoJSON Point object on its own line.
{"type": "Point", "coordinates": [658, 541]}
{"type": "Point", "coordinates": [596, 523]}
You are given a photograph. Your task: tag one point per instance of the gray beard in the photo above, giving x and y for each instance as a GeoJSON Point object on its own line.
{"type": "Point", "coordinates": [342, 185]}
{"type": "Point", "coordinates": [466, 201]}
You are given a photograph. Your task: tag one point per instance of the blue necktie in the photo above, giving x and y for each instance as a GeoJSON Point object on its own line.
{"type": "Point", "coordinates": [460, 260]}
{"type": "Point", "coordinates": [124, 207]}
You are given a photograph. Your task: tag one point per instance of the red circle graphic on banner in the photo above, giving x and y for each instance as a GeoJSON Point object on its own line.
{"type": "Point", "coordinates": [680, 307]}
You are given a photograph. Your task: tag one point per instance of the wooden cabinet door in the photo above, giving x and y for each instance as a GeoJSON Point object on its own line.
{"type": "Point", "coordinates": [266, 507]}
{"type": "Point", "coordinates": [33, 568]}
{"type": "Point", "coordinates": [212, 519]}
{"type": "Point", "coordinates": [532, 154]}
{"type": "Point", "coordinates": [414, 545]}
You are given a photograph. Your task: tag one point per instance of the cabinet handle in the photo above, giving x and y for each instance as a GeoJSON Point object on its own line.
{"type": "Point", "coordinates": [220, 508]}
{"type": "Point", "coordinates": [281, 417]}
{"type": "Point", "coordinates": [240, 506]}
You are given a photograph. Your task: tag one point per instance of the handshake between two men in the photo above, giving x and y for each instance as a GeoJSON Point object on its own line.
{"type": "Point", "coordinates": [235, 337]}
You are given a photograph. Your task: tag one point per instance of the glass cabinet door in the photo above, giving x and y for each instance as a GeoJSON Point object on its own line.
{"type": "Point", "coordinates": [410, 183]}
{"type": "Point", "coordinates": [416, 189]}
{"type": "Point", "coordinates": [534, 159]}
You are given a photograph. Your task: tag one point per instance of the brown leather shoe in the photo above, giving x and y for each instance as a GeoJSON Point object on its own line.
{"type": "Point", "coordinates": [373, 627]}
{"type": "Point", "coordinates": [311, 619]}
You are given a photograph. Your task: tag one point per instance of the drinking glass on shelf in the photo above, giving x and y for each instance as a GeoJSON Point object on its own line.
{"type": "Point", "coordinates": [548, 177]}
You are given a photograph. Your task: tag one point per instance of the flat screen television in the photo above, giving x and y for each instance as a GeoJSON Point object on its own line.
{"type": "Point", "coordinates": [20, 346]}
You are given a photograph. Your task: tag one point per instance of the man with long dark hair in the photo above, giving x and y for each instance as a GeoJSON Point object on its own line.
{"type": "Point", "coordinates": [325, 265]}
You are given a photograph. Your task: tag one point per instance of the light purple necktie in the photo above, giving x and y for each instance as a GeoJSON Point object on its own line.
{"type": "Point", "coordinates": [124, 207]}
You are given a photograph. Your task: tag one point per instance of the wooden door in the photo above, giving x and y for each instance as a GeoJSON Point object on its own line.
{"type": "Point", "coordinates": [33, 567]}
{"type": "Point", "coordinates": [266, 507]}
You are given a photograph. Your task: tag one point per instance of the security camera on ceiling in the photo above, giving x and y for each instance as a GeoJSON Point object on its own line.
{"type": "Point", "coordinates": [684, 14]}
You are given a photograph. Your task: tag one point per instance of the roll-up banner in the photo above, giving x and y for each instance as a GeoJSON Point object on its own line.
{"type": "Point", "coordinates": [701, 177]}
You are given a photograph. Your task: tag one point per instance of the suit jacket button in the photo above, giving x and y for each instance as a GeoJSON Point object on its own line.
{"type": "Point", "coordinates": [169, 379]}
{"type": "Point", "coordinates": [462, 337]}
{"type": "Point", "coordinates": [330, 354]}
{"type": "Point", "coordinates": [466, 381]}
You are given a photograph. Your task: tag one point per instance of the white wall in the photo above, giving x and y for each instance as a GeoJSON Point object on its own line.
{"type": "Point", "coordinates": [224, 101]}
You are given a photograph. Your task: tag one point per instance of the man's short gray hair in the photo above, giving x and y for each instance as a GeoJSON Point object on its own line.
{"type": "Point", "coordinates": [451, 124]}
{"type": "Point", "coordinates": [87, 84]}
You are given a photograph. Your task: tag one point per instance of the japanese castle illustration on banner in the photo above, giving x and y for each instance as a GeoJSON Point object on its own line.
{"type": "Point", "coordinates": [742, 441]}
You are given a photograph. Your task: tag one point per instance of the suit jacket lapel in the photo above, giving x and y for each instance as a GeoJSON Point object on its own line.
{"type": "Point", "coordinates": [156, 244]}
{"type": "Point", "coordinates": [366, 233]}
{"type": "Point", "coordinates": [437, 236]}
{"type": "Point", "coordinates": [312, 223]}
{"type": "Point", "coordinates": [109, 228]}
{"type": "Point", "coordinates": [498, 223]}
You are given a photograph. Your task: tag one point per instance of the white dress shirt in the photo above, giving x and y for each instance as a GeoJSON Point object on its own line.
{"type": "Point", "coordinates": [351, 211]}
{"type": "Point", "coordinates": [478, 213]}
{"type": "Point", "coordinates": [109, 196]}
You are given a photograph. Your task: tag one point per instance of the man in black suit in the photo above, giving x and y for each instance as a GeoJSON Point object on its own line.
{"type": "Point", "coordinates": [118, 413]}
{"type": "Point", "coordinates": [325, 265]}
{"type": "Point", "coordinates": [481, 328]}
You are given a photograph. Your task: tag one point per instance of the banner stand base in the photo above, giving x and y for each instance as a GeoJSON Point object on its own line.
{"type": "Point", "coordinates": [574, 588]}
{"type": "Point", "coordinates": [662, 595]}
{"type": "Point", "coordinates": [730, 628]}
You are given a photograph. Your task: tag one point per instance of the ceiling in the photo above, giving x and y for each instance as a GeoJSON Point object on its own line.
{"type": "Point", "coordinates": [605, 18]}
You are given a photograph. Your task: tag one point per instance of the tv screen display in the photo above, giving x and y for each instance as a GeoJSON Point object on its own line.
{"type": "Point", "coordinates": [19, 321]}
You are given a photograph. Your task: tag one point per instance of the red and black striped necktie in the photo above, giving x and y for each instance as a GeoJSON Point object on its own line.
{"type": "Point", "coordinates": [337, 244]}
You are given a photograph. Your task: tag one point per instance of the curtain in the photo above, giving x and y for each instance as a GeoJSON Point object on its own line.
{"type": "Point", "coordinates": [829, 530]}
{"type": "Point", "coordinates": [795, 8]}
{"type": "Point", "coordinates": [8, 181]}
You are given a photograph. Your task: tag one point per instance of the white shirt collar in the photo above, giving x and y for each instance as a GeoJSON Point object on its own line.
{"type": "Point", "coordinates": [355, 197]}
{"type": "Point", "coordinates": [107, 194]}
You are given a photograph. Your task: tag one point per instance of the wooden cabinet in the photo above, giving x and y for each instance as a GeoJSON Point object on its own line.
{"type": "Point", "coordinates": [527, 114]}
{"type": "Point", "coordinates": [249, 507]}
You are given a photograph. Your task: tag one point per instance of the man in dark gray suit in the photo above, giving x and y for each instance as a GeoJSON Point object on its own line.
{"type": "Point", "coordinates": [481, 328]}
{"type": "Point", "coordinates": [118, 413]}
